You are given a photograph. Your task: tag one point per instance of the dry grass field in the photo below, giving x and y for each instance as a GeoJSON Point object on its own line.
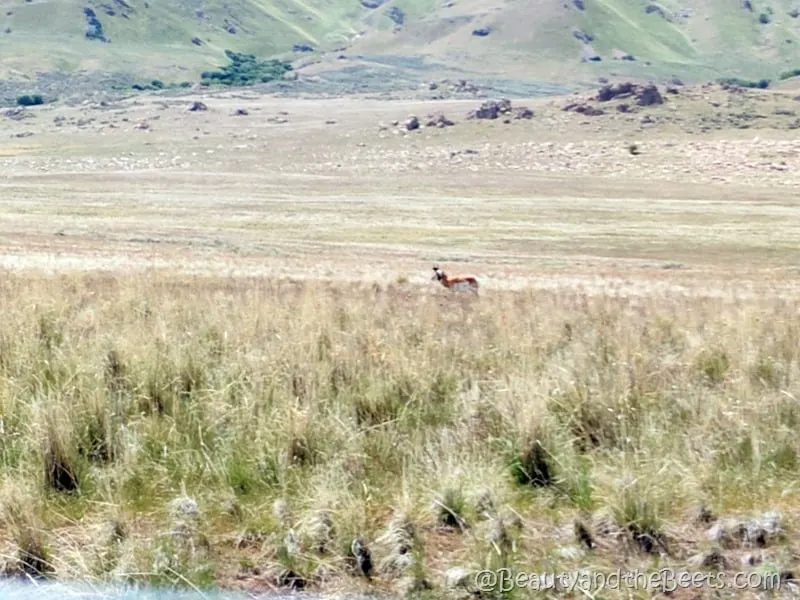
{"type": "Point", "coordinates": [222, 358]}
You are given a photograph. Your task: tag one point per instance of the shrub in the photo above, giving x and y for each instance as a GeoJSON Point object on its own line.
{"type": "Point", "coordinates": [713, 365]}
{"type": "Point", "coordinates": [789, 74]}
{"type": "Point", "coordinates": [154, 85]}
{"type": "Point", "coordinates": [33, 100]}
{"type": "Point", "coordinates": [245, 69]}
{"type": "Point", "coordinates": [760, 84]}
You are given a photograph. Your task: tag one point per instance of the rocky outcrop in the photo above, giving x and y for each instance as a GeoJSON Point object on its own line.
{"type": "Point", "coordinates": [523, 112]}
{"type": "Point", "coordinates": [584, 109]}
{"type": "Point", "coordinates": [581, 35]}
{"type": "Point", "coordinates": [94, 28]}
{"type": "Point", "coordinates": [647, 95]}
{"type": "Point", "coordinates": [463, 86]}
{"type": "Point", "coordinates": [438, 120]}
{"type": "Point", "coordinates": [493, 109]}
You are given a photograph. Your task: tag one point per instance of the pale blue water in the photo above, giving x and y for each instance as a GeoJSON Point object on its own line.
{"type": "Point", "coordinates": [18, 590]}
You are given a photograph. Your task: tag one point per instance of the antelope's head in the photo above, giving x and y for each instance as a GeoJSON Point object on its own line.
{"type": "Point", "coordinates": [438, 274]}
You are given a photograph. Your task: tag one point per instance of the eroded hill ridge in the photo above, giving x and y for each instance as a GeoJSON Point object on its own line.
{"type": "Point", "coordinates": [398, 40]}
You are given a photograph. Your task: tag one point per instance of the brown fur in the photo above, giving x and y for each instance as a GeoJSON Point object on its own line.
{"type": "Point", "coordinates": [455, 284]}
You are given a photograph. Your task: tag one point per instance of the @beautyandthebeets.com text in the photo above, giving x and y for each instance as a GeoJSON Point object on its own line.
{"type": "Point", "coordinates": [664, 580]}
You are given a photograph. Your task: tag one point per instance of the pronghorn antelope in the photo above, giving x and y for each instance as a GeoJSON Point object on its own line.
{"type": "Point", "coordinates": [455, 284]}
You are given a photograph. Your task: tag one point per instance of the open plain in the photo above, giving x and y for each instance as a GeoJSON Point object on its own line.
{"type": "Point", "coordinates": [222, 357]}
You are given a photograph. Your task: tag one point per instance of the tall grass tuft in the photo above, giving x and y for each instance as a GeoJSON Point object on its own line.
{"type": "Point", "coordinates": [235, 430]}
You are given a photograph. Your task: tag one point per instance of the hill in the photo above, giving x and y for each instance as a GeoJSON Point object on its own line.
{"type": "Point", "coordinates": [404, 40]}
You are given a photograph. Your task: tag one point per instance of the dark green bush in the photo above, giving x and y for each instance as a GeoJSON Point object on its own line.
{"type": "Point", "coordinates": [760, 84]}
{"type": "Point", "coordinates": [33, 100]}
{"type": "Point", "coordinates": [245, 69]}
{"type": "Point", "coordinates": [789, 74]}
{"type": "Point", "coordinates": [157, 85]}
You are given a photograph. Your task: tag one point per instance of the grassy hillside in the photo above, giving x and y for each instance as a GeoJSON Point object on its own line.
{"type": "Point", "coordinates": [157, 37]}
{"type": "Point", "coordinates": [535, 37]}
{"type": "Point", "coordinates": [177, 39]}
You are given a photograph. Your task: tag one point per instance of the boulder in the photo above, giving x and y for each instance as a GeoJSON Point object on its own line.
{"type": "Point", "coordinates": [523, 112]}
{"type": "Point", "coordinates": [438, 120]}
{"type": "Point", "coordinates": [584, 109]}
{"type": "Point", "coordinates": [581, 35]}
{"type": "Point", "coordinates": [491, 109]}
{"type": "Point", "coordinates": [612, 91]}
{"type": "Point", "coordinates": [645, 95]}
{"type": "Point", "coordinates": [648, 96]}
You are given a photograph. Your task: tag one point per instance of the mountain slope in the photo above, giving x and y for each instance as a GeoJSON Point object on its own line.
{"type": "Point", "coordinates": [702, 38]}
{"type": "Point", "coordinates": [157, 36]}
{"type": "Point", "coordinates": [176, 39]}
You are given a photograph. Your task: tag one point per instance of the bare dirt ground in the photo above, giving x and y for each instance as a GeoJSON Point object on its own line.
{"type": "Point", "coordinates": [331, 189]}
